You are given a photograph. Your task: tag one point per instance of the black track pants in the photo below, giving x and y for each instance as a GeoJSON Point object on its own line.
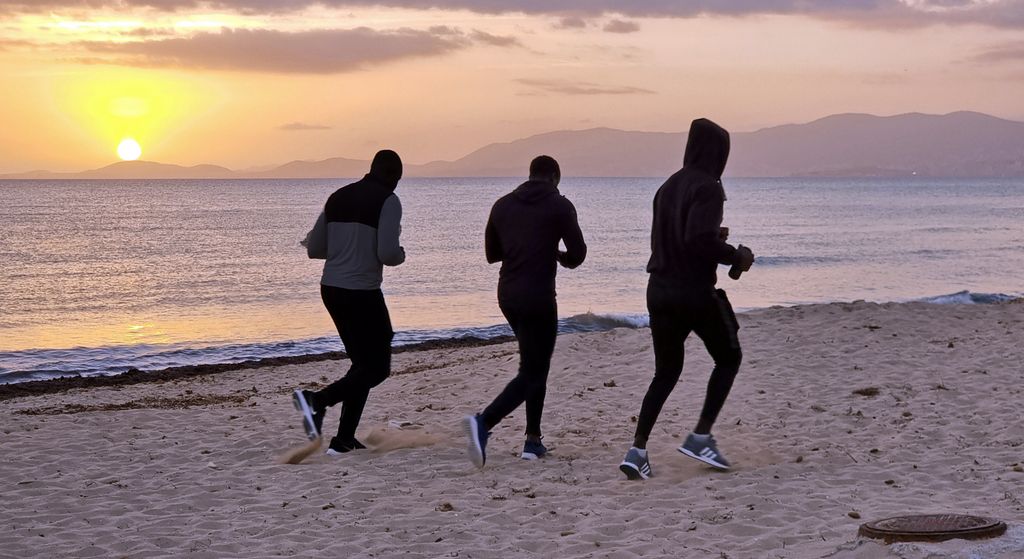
{"type": "Point", "coordinates": [675, 312]}
{"type": "Point", "coordinates": [536, 328]}
{"type": "Point", "coordinates": [363, 322]}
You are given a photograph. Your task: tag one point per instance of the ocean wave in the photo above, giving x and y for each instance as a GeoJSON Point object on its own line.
{"type": "Point", "coordinates": [41, 364]}
{"type": "Point", "coordinates": [590, 322]}
{"type": "Point", "coordinates": [968, 298]}
{"type": "Point", "coordinates": [795, 260]}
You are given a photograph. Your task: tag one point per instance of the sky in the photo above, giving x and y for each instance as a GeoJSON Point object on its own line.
{"type": "Point", "coordinates": [250, 83]}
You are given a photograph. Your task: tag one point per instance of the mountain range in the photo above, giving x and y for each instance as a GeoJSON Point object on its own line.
{"type": "Point", "coordinates": [960, 144]}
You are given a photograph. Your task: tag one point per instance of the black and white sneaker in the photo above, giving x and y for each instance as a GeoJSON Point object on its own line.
{"type": "Point", "coordinates": [312, 419]}
{"type": "Point", "coordinates": [704, 450]}
{"type": "Point", "coordinates": [534, 450]}
{"type": "Point", "coordinates": [477, 434]}
{"type": "Point", "coordinates": [635, 465]}
{"type": "Point", "coordinates": [337, 448]}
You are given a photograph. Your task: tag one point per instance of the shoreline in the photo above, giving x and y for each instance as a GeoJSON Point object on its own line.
{"type": "Point", "coordinates": [138, 376]}
{"type": "Point", "coordinates": [135, 375]}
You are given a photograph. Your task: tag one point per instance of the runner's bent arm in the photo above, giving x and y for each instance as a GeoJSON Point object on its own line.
{"type": "Point", "coordinates": [389, 228]}
{"type": "Point", "coordinates": [492, 242]}
{"type": "Point", "coordinates": [703, 227]}
{"type": "Point", "coordinates": [575, 247]}
{"type": "Point", "coordinates": [316, 240]}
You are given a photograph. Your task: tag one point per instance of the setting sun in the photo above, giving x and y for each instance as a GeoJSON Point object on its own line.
{"type": "Point", "coordinates": [129, 149]}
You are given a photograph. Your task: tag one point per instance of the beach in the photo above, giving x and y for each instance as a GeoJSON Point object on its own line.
{"type": "Point", "coordinates": [842, 413]}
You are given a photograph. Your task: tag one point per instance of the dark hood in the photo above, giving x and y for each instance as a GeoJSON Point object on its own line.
{"type": "Point", "coordinates": [707, 148]}
{"type": "Point", "coordinates": [534, 191]}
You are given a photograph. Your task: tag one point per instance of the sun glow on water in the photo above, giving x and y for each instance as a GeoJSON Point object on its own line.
{"type": "Point", "coordinates": [129, 149]}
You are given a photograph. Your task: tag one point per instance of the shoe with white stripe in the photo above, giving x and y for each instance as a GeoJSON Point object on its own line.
{"type": "Point", "coordinates": [534, 450]}
{"type": "Point", "coordinates": [477, 433]}
{"type": "Point", "coordinates": [635, 465]}
{"type": "Point", "coordinates": [337, 448]}
{"type": "Point", "coordinates": [312, 418]}
{"type": "Point", "coordinates": [704, 450]}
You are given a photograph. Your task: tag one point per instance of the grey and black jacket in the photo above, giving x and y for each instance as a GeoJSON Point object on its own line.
{"type": "Point", "coordinates": [357, 233]}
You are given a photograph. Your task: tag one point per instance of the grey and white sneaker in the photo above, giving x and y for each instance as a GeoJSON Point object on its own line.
{"type": "Point", "coordinates": [635, 465]}
{"type": "Point", "coordinates": [477, 434]}
{"type": "Point", "coordinates": [312, 419]}
{"type": "Point", "coordinates": [704, 450]}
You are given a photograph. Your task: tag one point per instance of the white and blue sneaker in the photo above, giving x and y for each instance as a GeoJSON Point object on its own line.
{"type": "Point", "coordinates": [477, 434]}
{"type": "Point", "coordinates": [703, 448]}
{"type": "Point", "coordinates": [534, 450]}
{"type": "Point", "coordinates": [340, 448]}
{"type": "Point", "coordinates": [312, 419]}
{"type": "Point", "coordinates": [636, 465]}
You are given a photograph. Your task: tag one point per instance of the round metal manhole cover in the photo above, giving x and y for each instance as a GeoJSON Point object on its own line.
{"type": "Point", "coordinates": [932, 527]}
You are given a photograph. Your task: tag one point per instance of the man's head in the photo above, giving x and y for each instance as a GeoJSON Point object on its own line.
{"type": "Point", "coordinates": [707, 148]}
{"type": "Point", "coordinates": [387, 166]}
{"type": "Point", "coordinates": [545, 168]}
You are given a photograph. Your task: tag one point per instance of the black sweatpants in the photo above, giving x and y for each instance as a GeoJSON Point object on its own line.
{"type": "Point", "coordinates": [535, 327]}
{"type": "Point", "coordinates": [363, 322]}
{"type": "Point", "coordinates": [675, 312]}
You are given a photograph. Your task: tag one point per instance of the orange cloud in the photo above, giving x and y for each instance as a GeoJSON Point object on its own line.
{"type": "Point", "coordinates": [567, 87]}
{"type": "Point", "coordinates": [262, 50]}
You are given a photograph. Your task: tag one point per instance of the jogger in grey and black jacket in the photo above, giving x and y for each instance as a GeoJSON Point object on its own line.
{"type": "Point", "coordinates": [357, 234]}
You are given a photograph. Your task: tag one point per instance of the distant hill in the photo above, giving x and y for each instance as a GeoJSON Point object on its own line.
{"type": "Point", "coordinates": [598, 152]}
{"type": "Point", "coordinates": [961, 144]}
{"type": "Point", "coordinates": [135, 170]}
{"type": "Point", "coordinates": [328, 168]}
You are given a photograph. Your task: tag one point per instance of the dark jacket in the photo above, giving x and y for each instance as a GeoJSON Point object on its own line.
{"type": "Point", "coordinates": [357, 234]}
{"type": "Point", "coordinates": [685, 245]}
{"type": "Point", "coordinates": [523, 232]}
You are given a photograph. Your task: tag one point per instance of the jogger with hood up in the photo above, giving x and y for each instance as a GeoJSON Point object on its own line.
{"type": "Point", "coordinates": [523, 233]}
{"type": "Point", "coordinates": [687, 245]}
{"type": "Point", "coordinates": [357, 234]}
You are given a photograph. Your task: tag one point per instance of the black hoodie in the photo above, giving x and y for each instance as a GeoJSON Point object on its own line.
{"type": "Point", "coordinates": [685, 245]}
{"type": "Point", "coordinates": [523, 232]}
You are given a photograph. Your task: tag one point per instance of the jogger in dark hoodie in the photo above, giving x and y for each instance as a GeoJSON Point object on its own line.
{"type": "Point", "coordinates": [687, 245]}
{"type": "Point", "coordinates": [523, 233]}
{"type": "Point", "coordinates": [357, 234]}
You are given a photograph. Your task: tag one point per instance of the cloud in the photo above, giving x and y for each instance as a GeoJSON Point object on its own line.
{"type": "Point", "coordinates": [261, 50]}
{"type": "Point", "coordinates": [567, 87]}
{"type": "Point", "coordinates": [571, 22]}
{"type": "Point", "coordinates": [494, 40]}
{"type": "Point", "coordinates": [1009, 52]}
{"type": "Point", "coordinates": [299, 126]}
{"type": "Point", "coordinates": [149, 32]}
{"type": "Point", "coordinates": [1004, 13]}
{"type": "Point", "coordinates": [621, 26]}
{"type": "Point", "coordinates": [11, 44]}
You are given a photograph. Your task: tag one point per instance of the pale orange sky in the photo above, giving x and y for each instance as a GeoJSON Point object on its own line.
{"type": "Point", "coordinates": [230, 83]}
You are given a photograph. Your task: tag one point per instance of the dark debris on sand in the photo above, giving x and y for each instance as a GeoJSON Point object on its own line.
{"type": "Point", "coordinates": [183, 402]}
{"type": "Point", "coordinates": [136, 376]}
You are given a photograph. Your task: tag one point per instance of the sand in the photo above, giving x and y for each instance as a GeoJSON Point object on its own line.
{"type": "Point", "coordinates": [840, 411]}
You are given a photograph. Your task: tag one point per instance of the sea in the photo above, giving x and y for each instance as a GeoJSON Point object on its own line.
{"type": "Point", "coordinates": [97, 277]}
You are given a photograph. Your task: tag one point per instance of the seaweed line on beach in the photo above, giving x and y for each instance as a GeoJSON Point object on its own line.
{"type": "Point", "coordinates": [137, 376]}
{"type": "Point", "coordinates": [183, 402]}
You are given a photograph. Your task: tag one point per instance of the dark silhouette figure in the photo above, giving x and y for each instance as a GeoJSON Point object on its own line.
{"type": "Point", "coordinates": [523, 233]}
{"type": "Point", "coordinates": [357, 234]}
{"type": "Point", "coordinates": [687, 245]}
